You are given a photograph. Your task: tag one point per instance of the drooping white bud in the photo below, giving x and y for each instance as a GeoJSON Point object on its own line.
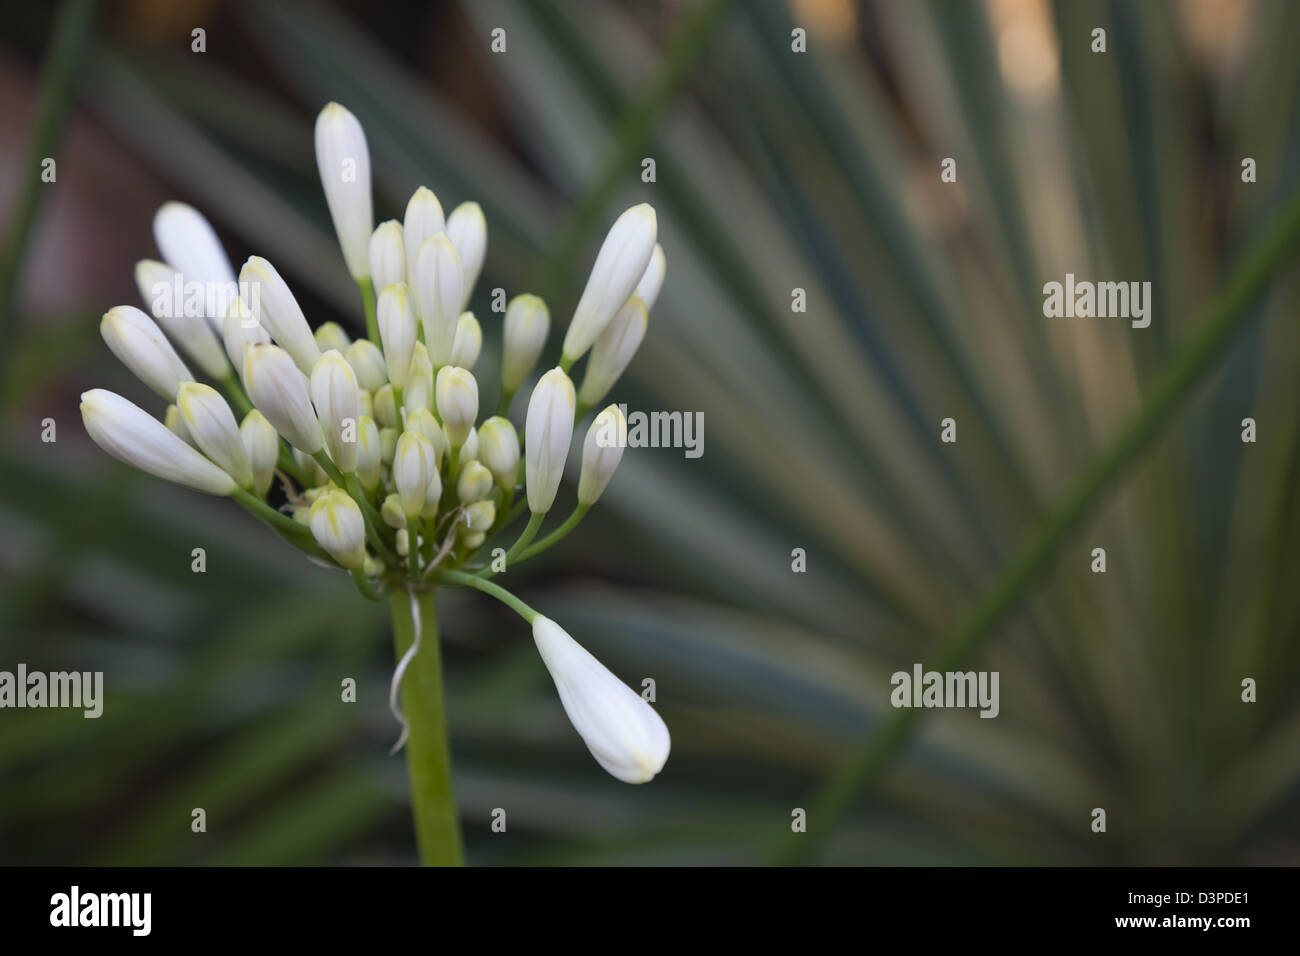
{"type": "Point", "coordinates": [397, 331]}
{"type": "Point", "coordinates": [620, 264]}
{"type": "Point", "coordinates": [193, 333]}
{"type": "Point", "coordinates": [623, 732]}
{"type": "Point", "coordinates": [336, 395]}
{"type": "Point", "coordinates": [438, 287]}
{"type": "Point", "coordinates": [613, 351]}
{"type": "Point", "coordinates": [467, 230]}
{"type": "Point", "coordinates": [212, 425]}
{"type": "Point", "coordinates": [141, 346]}
{"type": "Point", "coordinates": [280, 393]}
{"type": "Point", "coordinates": [498, 449]}
{"type": "Point", "coordinates": [343, 161]}
{"type": "Point", "coordinates": [547, 432]}
{"type": "Point", "coordinates": [275, 308]}
{"type": "Point", "coordinates": [387, 255]}
{"type": "Point", "coordinates": [467, 344]}
{"type": "Point", "coordinates": [527, 324]}
{"type": "Point", "coordinates": [339, 528]}
{"type": "Point", "coordinates": [133, 436]}
{"type": "Point", "coordinates": [601, 452]}
{"type": "Point", "coordinates": [457, 397]}
{"type": "Point", "coordinates": [262, 445]}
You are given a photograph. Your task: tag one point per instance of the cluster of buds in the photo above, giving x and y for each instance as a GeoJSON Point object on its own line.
{"type": "Point", "coordinates": [372, 448]}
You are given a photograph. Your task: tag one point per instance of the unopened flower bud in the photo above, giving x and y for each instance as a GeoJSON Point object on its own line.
{"type": "Point", "coordinates": [387, 255]}
{"type": "Point", "coordinates": [619, 266]}
{"type": "Point", "coordinates": [468, 342]}
{"type": "Point", "coordinates": [547, 433]}
{"type": "Point", "coordinates": [423, 220]}
{"type": "Point", "coordinates": [421, 420]}
{"type": "Point", "coordinates": [212, 425]}
{"type": "Point", "coordinates": [613, 351]}
{"type": "Point", "coordinates": [474, 483]}
{"type": "Point", "coordinates": [335, 394]}
{"type": "Point", "coordinates": [527, 324]}
{"type": "Point", "coordinates": [331, 336]}
{"type": "Point", "coordinates": [369, 453]}
{"type": "Point", "coordinates": [498, 449]}
{"type": "Point", "coordinates": [279, 391]}
{"type": "Point", "coordinates": [439, 288]}
{"type": "Point", "coordinates": [413, 468]}
{"type": "Point", "coordinates": [262, 445]}
{"type": "Point", "coordinates": [343, 161]}
{"type": "Point", "coordinates": [601, 452]}
{"type": "Point", "coordinates": [141, 346]}
{"type": "Point", "coordinates": [385, 408]}
{"type": "Point", "coordinates": [339, 528]}
{"type": "Point", "coordinates": [193, 333]}
{"type": "Point", "coordinates": [647, 290]}
{"type": "Point", "coordinates": [467, 230]}
{"type": "Point", "coordinates": [457, 396]}
{"type": "Point", "coordinates": [275, 308]}
{"type": "Point", "coordinates": [368, 362]}
{"type": "Point", "coordinates": [479, 517]}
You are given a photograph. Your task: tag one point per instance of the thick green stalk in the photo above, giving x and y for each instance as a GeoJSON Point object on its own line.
{"type": "Point", "coordinates": [368, 303]}
{"type": "Point", "coordinates": [428, 750]}
{"type": "Point", "coordinates": [1224, 317]}
{"type": "Point", "coordinates": [463, 579]}
{"type": "Point", "coordinates": [555, 536]}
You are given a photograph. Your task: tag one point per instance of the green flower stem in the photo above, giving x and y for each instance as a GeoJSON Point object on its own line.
{"type": "Point", "coordinates": [297, 534]}
{"type": "Point", "coordinates": [555, 536]}
{"type": "Point", "coordinates": [463, 579]}
{"type": "Point", "coordinates": [566, 363]}
{"type": "Point", "coordinates": [330, 468]}
{"type": "Point", "coordinates": [235, 392]}
{"type": "Point", "coordinates": [368, 303]}
{"type": "Point", "coordinates": [503, 406]}
{"type": "Point", "coordinates": [365, 587]}
{"type": "Point", "coordinates": [428, 751]}
{"type": "Point", "coordinates": [1224, 316]}
{"type": "Point", "coordinates": [413, 552]}
{"type": "Point", "coordinates": [285, 462]}
{"type": "Point", "coordinates": [530, 531]}
{"type": "Point", "coordinates": [374, 522]}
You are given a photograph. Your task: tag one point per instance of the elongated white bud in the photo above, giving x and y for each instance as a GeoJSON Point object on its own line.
{"type": "Point", "coordinates": [397, 331]}
{"type": "Point", "coordinates": [467, 230]}
{"type": "Point", "coordinates": [413, 469]}
{"type": "Point", "coordinates": [369, 453]}
{"type": "Point", "coordinates": [193, 333]}
{"type": "Point", "coordinates": [212, 425]}
{"type": "Point", "coordinates": [498, 449]}
{"type": "Point", "coordinates": [391, 511]}
{"type": "Point", "coordinates": [385, 408]}
{"type": "Point", "coordinates": [190, 245]}
{"type": "Point", "coordinates": [468, 342]}
{"type": "Point", "coordinates": [176, 425]}
{"type": "Point", "coordinates": [623, 732]}
{"type": "Point", "coordinates": [339, 528]}
{"type": "Point", "coordinates": [469, 450]}
{"type": "Point", "coordinates": [421, 420]}
{"type": "Point", "coordinates": [241, 330]}
{"type": "Point", "coordinates": [279, 391]}
{"type": "Point", "coordinates": [432, 495]}
{"type": "Point", "coordinates": [474, 483]}
{"type": "Point", "coordinates": [141, 346]}
{"type": "Point", "coordinates": [133, 436]}
{"type": "Point", "coordinates": [527, 324]}
{"type": "Point", "coordinates": [438, 286]}
{"type": "Point", "coordinates": [423, 220]}
{"type": "Point", "coordinates": [343, 161]}
{"type": "Point", "coordinates": [418, 392]}
{"type": "Point", "coordinates": [601, 452]}
{"type": "Point", "coordinates": [262, 445]}
{"type": "Point", "coordinates": [368, 362]}
{"type": "Point", "coordinates": [275, 308]}
{"type": "Point", "coordinates": [547, 432]}
{"type": "Point", "coordinates": [387, 255]}
{"type": "Point", "coordinates": [613, 351]}
{"type": "Point", "coordinates": [457, 397]}
{"type": "Point", "coordinates": [647, 290]}
{"type": "Point", "coordinates": [331, 336]}
{"type": "Point", "coordinates": [336, 395]}
{"type": "Point", "coordinates": [620, 264]}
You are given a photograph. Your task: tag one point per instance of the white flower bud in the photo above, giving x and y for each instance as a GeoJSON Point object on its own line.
{"type": "Point", "coordinates": [279, 391]}
{"type": "Point", "coordinates": [479, 517]}
{"type": "Point", "coordinates": [141, 346]}
{"type": "Point", "coordinates": [387, 445]}
{"type": "Point", "coordinates": [474, 540]}
{"type": "Point", "coordinates": [241, 330]}
{"type": "Point", "coordinates": [212, 425]}
{"type": "Point", "coordinates": [620, 264]}
{"type": "Point", "coordinates": [343, 161]}
{"type": "Point", "coordinates": [468, 342]}
{"type": "Point", "coordinates": [421, 420]}
{"type": "Point", "coordinates": [387, 255]}
{"type": "Point", "coordinates": [469, 450]}
{"type": "Point", "coordinates": [419, 381]}
{"type": "Point", "coordinates": [276, 310]}
{"type": "Point", "coordinates": [369, 453]}
{"type": "Point", "coordinates": [548, 430]}
{"type": "Point", "coordinates": [336, 395]}
{"type": "Point", "coordinates": [423, 221]}
{"type": "Point", "coordinates": [474, 483]}
{"type": "Point", "coordinates": [397, 331]}
{"type": "Point", "coordinates": [339, 528]}
{"type": "Point", "coordinates": [498, 449]}
{"type": "Point", "coordinates": [623, 732]}
{"type": "Point", "coordinates": [601, 452]}
{"type": "Point", "coordinates": [647, 290]}
{"type": "Point", "coordinates": [193, 333]}
{"type": "Point", "coordinates": [368, 362]}
{"type": "Point", "coordinates": [176, 425]}
{"type": "Point", "coordinates": [133, 436]}
{"type": "Point", "coordinates": [613, 351]}
{"type": "Point", "coordinates": [190, 245]}
{"type": "Point", "coordinates": [432, 495]}
{"type": "Point", "coordinates": [316, 474]}
{"type": "Point", "coordinates": [413, 469]}
{"type": "Point", "coordinates": [385, 408]}
{"type": "Point", "coordinates": [262, 445]}
{"type": "Point", "coordinates": [527, 324]}
{"type": "Point", "coordinates": [467, 230]}
{"type": "Point", "coordinates": [438, 290]}
{"type": "Point", "coordinates": [331, 336]}
{"type": "Point", "coordinates": [391, 511]}
{"type": "Point", "coordinates": [457, 396]}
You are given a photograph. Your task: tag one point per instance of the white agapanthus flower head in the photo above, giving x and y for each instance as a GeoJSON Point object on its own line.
{"type": "Point", "coordinates": [365, 451]}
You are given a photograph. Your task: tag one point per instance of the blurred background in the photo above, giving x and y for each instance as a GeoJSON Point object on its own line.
{"type": "Point", "coordinates": [775, 170]}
